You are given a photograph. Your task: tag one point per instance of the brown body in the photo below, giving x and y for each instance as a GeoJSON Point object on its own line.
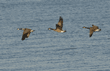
{"type": "Point", "coordinates": [26, 32]}
{"type": "Point", "coordinates": [92, 29]}
{"type": "Point", "coordinates": [59, 26]}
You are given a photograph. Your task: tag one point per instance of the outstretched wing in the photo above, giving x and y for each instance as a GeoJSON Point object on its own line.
{"type": "Point", "coordinates": [26, 31]}
{"type": "Point", "coordinates": [91, 32]}
{"type": "Point", "coordinates": [24, 36]}
{"type": "Point", "coordinates": [60, 23]}
{"type": "Point", "coordinates": [58, 27]}
{"type": "Point", "coordinates": [95, 27]}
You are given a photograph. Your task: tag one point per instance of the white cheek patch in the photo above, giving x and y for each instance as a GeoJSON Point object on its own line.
{"type": "Point", "coordinates": [49, 28]}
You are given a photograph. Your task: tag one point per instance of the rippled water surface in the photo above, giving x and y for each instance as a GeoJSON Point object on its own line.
{"type": "Point", "coordinates": [47, 50]}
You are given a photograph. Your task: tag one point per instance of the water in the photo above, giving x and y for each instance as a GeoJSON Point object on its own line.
{"type": "Point", "coordinates": [47, 50]}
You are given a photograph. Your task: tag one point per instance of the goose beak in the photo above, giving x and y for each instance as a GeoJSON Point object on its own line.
{"type": "Point", "coordinates": [48, 28]}
{"type": "Point", "coordinates": [83, 27]}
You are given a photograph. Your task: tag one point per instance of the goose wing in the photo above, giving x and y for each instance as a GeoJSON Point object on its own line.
{"type": "Point", "coordinates": [95, 27]}
{"type": "Point", "coordinates": [91, 32]}
{"type": "Point", "coordinates": [26, 34]}
{"type": "Point", "coordinates": [58, 27]}
{"type": "Point", "coordinates": [60, 23]}
{"type": "Point", "coordinates": [26, 31]}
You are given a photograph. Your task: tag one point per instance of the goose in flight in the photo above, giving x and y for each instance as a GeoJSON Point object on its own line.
{"type": "Point", "coordinates": [59, 26]}
{"type": "Point", "coordinates": [26, 32]}
{"type": "Point", "coordinates": [92, 29]}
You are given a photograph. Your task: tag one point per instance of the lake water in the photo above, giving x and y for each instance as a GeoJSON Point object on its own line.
{"type": "Point", "coordinates": [47, 50]}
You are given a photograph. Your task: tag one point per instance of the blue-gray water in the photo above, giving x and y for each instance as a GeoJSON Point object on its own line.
{"type": "Point", "coordinates": [47, 50]}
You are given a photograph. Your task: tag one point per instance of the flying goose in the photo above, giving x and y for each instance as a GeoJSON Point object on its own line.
{"type": "Point", "coordinates": [26, 32]}
{"type": "Point", "coordinates": [92, 29]}
{"type": "Point", "coordinates": [59, 26]}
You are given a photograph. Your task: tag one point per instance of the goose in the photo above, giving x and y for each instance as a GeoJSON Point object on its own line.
{"type": "Point", "coordinates": [92, 29]}
{"type": "Point", "coordinates": [59, 26]}
{"type": "Point", "coordinates": [26, 32]}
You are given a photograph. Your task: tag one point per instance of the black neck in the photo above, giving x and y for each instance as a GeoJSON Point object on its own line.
{"type": "Point", "coordinates": [87, 27]}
